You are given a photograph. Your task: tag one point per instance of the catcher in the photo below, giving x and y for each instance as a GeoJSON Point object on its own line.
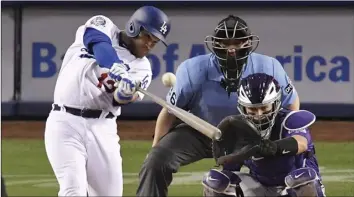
{"type": "Point", "coordinates": [275, 144]}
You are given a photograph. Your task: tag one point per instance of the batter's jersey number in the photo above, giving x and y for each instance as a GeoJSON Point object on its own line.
{"type": "Point", "coordinates": [107, 83]}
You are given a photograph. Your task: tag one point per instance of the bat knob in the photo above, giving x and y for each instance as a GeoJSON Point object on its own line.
{"type": "Point", "coordinates": [217, 135]}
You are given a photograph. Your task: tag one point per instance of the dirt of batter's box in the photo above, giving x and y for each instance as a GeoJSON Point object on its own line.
{"type": "Point", "coordinates": [143, 130]}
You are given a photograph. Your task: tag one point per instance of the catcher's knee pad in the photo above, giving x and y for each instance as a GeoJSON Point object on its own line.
{"type": "Point", "coordinates": [304, 182]}
{"type": "Point", "coordinates": [160, 158]}
{"type": "Point", "coordinates": [221, 183]}
{"type": "Point", "coordinates": [207, 192]}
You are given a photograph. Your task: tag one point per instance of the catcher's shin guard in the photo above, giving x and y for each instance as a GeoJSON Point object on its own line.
{"type": "Point", "coordinates": [221, 183]}
{"type": "Point", "coordinates": [304, 182]}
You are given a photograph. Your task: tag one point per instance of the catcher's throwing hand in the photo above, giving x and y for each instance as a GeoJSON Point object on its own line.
{"type": "Point", "coordinates": [267, 148]}
{"type": "Point", "coordinates": [238, 156]}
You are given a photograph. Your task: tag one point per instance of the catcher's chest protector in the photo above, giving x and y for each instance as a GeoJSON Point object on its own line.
{"type": "Point", "coordinates": [273, 170]}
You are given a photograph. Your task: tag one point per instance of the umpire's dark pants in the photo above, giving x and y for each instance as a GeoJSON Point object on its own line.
{"type": "Point", "coordinates": [181, 146]}
{"type": "Point", "coordinates": [3, 188]}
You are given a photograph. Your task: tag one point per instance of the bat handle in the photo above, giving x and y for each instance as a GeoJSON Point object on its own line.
{"type": "Point", "coordinates": [138, 88]}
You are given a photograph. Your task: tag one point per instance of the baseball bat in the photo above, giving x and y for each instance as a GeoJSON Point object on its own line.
{"type": "Point", "coordinates": [197, 123]}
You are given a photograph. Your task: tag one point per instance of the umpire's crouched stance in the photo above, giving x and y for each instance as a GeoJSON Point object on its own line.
{"type": "Point", "coordinates": [206, 86]}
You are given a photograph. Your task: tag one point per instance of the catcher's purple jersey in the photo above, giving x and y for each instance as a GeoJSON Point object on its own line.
{"type": "Point", "coordinates": [198, 88]}
{"type": "Point", "coordinates": [272, 171]}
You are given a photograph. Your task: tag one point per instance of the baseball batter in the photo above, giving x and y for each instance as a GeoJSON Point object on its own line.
{"type": "Point", "coordinates": [99, 74]}
{"type": "Point", "coordinates": [285, 163]}
{"type": "Point", "coordinates": [206, 86]}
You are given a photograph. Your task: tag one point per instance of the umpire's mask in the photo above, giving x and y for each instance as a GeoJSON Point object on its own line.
{"type": "Point", "coordinates": [232, 43]}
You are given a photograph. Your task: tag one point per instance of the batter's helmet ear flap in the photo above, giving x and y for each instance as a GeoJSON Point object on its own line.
{"type": "Point", "coordinates": [132, 29]}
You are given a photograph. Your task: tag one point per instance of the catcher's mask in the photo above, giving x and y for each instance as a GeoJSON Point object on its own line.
{"type": "Point", "coordinates": [232, 43]}
{"type": "Point", "coordinates": [259, 100]}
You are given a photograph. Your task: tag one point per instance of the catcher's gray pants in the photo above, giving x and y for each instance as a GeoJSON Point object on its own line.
{"type": "Point", "coordinates": [181, 146]}
{"type": "Point", "coordinates": [251, 187]}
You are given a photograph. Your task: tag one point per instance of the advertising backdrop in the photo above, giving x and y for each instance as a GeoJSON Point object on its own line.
{"type": "Point", "coordinates": [316, 48]}
{"type": "Point", "coordinates": [7, 55]}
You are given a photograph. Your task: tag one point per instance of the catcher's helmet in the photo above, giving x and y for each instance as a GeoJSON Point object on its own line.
{"type": "Point", "coordinates": [259, 100]}
{"type": "Point", "coordinates": [152, 20]}
{"type": "Point", "coordinates": [232, 42]}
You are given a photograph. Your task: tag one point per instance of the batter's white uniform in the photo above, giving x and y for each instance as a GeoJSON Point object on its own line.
{"type": "Point", "coordinates": [85, 152]}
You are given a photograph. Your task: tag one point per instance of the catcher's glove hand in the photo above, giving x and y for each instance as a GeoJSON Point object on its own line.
{"type": "Point", "coordinates": [237, 134]}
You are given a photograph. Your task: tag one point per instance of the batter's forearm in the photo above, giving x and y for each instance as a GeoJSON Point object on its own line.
{"type": "Point", "coordinates": [163, 124]}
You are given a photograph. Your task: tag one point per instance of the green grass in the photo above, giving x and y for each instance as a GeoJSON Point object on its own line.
{"type": "Point", "coordinates": [28, 173]}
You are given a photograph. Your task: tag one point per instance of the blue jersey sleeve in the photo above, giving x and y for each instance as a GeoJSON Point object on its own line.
{"type": "Point", "coordinates": [289, 92]}
{"type": "Point", "coordinates": [97, 39]}
{"type": "Point", "coordinates": [182, 92]}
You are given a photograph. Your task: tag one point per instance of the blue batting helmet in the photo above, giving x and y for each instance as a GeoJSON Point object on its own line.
{"type": "Point", "coordinates": [152, 20]}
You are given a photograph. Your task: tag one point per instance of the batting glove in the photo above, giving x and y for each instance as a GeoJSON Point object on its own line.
{"type": "Point", "coordinates": [126, 89]}
{"type": "Point", "coordinates": [118, 71]}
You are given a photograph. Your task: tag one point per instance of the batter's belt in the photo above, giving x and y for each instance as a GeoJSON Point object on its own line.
{"type": "Point", "coordinates": [85, 113]}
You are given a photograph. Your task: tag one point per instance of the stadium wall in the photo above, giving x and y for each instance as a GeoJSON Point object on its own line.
{"type": "Point", "coordinates": [313, 41]}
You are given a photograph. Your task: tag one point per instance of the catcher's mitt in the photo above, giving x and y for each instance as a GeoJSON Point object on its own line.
{"type": "Point", "coordinates": [238, 141]}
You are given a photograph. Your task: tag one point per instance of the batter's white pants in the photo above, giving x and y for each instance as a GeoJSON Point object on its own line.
{"type": "Point", "coordinates": [84, 154]}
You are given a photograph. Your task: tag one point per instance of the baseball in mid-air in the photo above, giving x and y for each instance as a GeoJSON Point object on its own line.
{"type": "Point", "coordinates": [168, 79]}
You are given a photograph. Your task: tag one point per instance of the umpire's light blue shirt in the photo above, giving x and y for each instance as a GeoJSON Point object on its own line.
{"type": "Point", "coordinates": [198, 88]}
